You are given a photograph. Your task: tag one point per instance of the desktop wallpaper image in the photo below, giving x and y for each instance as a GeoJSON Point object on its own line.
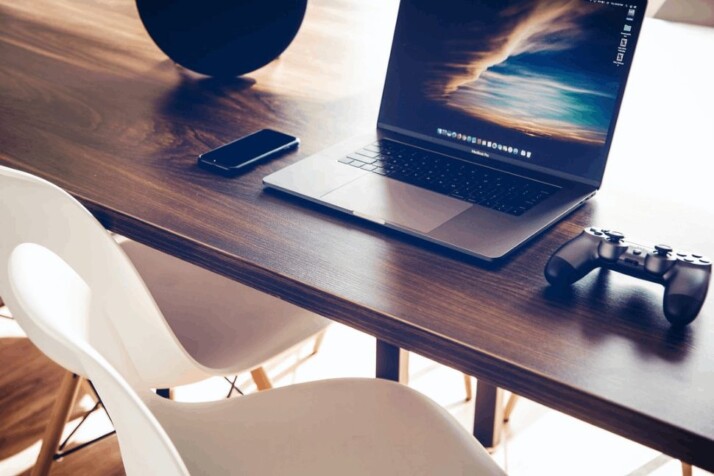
{"type": "Point", "coordinates": [538, 75]}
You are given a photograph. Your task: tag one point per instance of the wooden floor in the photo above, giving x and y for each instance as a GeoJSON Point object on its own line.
{"type": "Point", "coordinates": [536, 441]}
{"type": "Point", "coordinates": [28, 382]}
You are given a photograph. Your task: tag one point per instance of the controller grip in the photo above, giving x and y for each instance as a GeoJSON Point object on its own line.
{"type": "Point", "coordinates": [572, 261]}
{"type": "Point", "coordinates": [684, 295]}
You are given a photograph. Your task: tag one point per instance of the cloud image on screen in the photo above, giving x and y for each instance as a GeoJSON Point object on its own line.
{"type": "Point", "coordinates": [524, 65]}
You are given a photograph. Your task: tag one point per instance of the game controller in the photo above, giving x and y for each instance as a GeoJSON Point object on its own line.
{"type": "Point", "coordinates": [685, 276]}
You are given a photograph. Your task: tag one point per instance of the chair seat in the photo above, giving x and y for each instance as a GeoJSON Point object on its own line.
{"type": "Point", "coordinates": [340, 426]}
{"type": "Point", "coordinates": [78, 299]}
{"type": "Point", "coordinates": [245, 327]}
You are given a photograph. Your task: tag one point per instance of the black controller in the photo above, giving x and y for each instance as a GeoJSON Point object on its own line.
{"type": "Point", "coordinates": [685, 276]}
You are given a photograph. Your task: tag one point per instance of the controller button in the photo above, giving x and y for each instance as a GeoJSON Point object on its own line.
{"type": "Point", "coordinates": [615, 236]}
{"type": "Point", "coordinates": [663, 250]}
{"type": "Point", "coordinates": [689, 260]}
{"type": "Point", "coordinates": [597, 233]}
{"type": "Point", "coordinates": [605, 231]}
{"type": "Point", "coordinates": [704, 261]}
{"type": "Point", "coordinates": [697, 256]}
{"type": "Point", "coordinates": [637, 252]}
{"type": "Point", "coordinates": [681, 255]}
{"type": "Point", "coordinates": [593, 229]}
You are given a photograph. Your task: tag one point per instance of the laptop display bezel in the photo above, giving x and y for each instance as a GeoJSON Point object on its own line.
{"type": "Point", "coordinates": [465, 153]}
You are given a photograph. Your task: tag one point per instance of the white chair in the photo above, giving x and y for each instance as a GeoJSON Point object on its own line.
{"type": "Point", "coordinates": [223, 326]}
{"type": "Point", "coordinates": [80, 300]}
{"type": "Point", "coordinates": [697, 12]}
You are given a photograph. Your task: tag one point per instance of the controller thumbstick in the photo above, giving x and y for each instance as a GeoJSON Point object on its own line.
{"type": "Point", "coordinates": [614, 236]}
{"type": "Point", "coordinates": [663, 250]}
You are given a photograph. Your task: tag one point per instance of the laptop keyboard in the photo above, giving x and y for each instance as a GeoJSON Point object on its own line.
{"type": "Point", "coordinates": [480, 185]}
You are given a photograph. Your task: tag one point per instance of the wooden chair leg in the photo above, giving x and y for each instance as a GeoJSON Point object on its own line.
{"type": "Point", "coordinates": [404, 367]}
{"type": "Point", "coordinates": [58, 418]}
{"type": "Point", "coordinates": [318, 342]}
{"type": "Point", "coordinates": [510, 405]}
{"type": "Point", "coordinates": [86, 387]}
{"type": "Point", "coordinates": [686, 469]}
{"type": "Point", "coordinates": [468, 387]}
{"type": "Point", "coordinates": [261, 379]}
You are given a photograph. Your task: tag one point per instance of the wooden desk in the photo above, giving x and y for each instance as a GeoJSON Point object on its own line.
{"type": "Point", "coordinates": [87, 101]}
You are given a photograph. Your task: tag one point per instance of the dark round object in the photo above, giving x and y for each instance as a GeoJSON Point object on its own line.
{"type": "Point", "coordinates": [221, 37]}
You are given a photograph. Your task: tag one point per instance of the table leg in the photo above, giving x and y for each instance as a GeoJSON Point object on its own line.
{"type": "Point", "coordinates": [164, 392]}
{"type": "Point", "coordinates": [392, 362]}
{"type": "Point", "coordinates": [488, 417]}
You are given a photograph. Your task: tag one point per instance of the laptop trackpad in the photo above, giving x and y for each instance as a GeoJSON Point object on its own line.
{"type": "Point", "coordinates": [379, 198]}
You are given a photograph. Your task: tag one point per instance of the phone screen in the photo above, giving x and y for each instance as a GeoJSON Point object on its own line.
{"type": "Point", "coordinates": [247, 149]}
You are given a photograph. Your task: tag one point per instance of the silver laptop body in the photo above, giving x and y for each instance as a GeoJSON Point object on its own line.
{"type": "Point", "coordinates": [568, 153]}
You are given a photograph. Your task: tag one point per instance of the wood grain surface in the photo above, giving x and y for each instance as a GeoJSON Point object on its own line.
{"type": "Point", "coordinates": [88, 102]}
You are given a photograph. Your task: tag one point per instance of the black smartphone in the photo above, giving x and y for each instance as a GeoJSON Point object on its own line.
{"type": "Point", "coordinates": [232, 158]}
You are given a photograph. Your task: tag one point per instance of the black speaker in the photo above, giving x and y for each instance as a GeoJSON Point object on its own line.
{"type": "Point", "coordinates": [222, 38]}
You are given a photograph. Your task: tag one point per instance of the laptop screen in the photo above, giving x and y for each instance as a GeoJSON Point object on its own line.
{"type": "Point", "coordinates": [537, 83]}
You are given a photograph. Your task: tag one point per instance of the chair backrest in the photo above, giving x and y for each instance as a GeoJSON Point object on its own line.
{"type": "Point", "coordinates": [34, 273]}
{"type": "Point", "coordinates": [697, 12]}
{"type": "Point", "coordinates": [124, 321]}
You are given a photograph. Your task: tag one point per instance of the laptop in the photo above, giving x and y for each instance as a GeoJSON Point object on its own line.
{"type": "Point", "coordinates": [496, 121]}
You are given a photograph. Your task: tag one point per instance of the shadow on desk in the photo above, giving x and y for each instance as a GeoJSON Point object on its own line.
{"type": "Point", "coordinates": [634, 307]}
{"type": "Point", "coordinates": [201, 94]}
